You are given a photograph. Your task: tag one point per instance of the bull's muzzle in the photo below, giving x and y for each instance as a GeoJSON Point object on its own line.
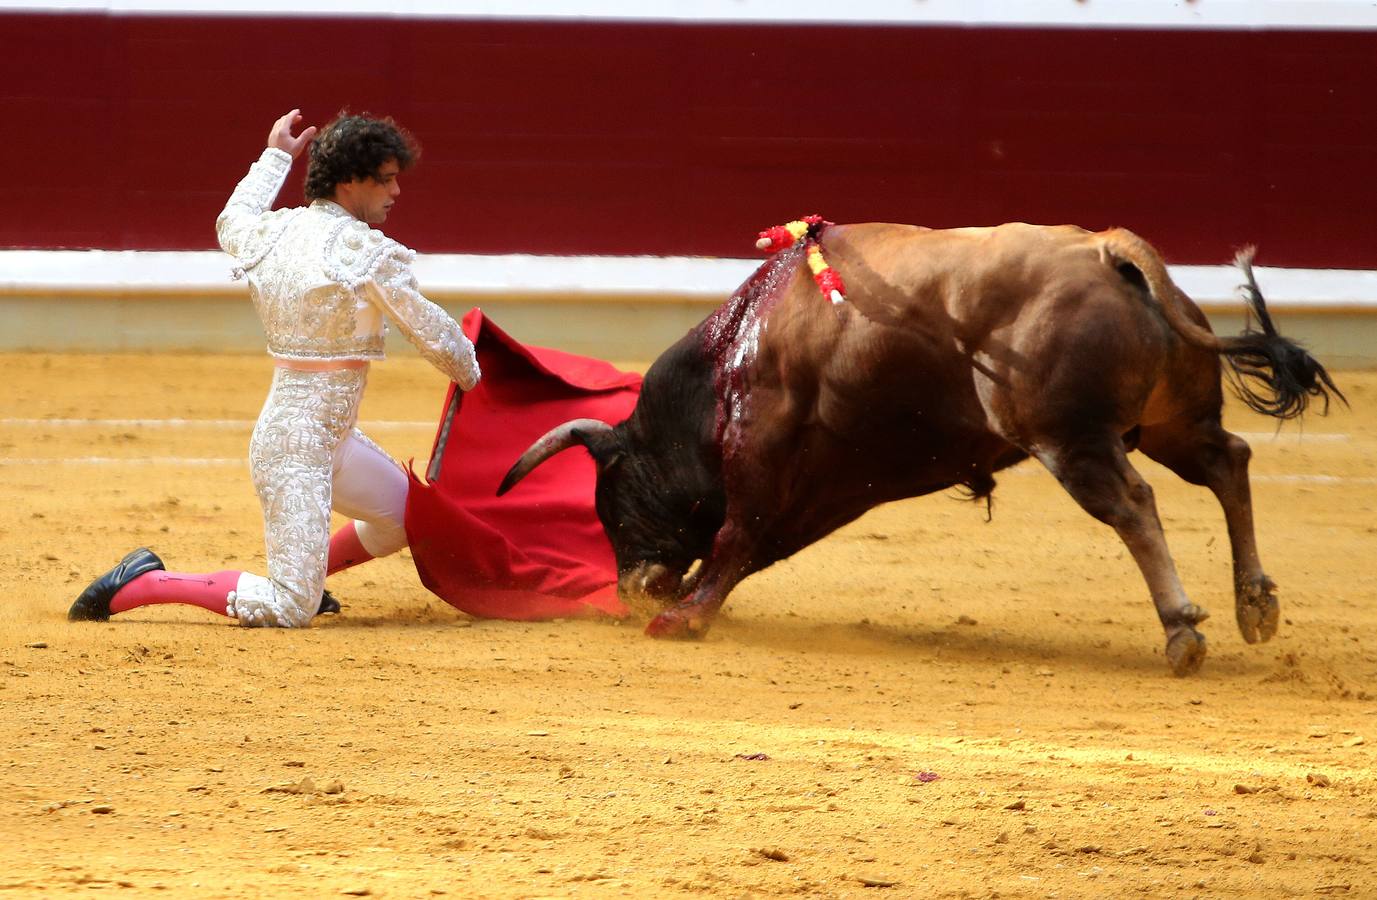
{"type": "Point", "coordinates": [648, 589]}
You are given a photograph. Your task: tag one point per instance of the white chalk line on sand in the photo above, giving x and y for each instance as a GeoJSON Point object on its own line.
{"type": "Point", "coordinates": [202, 461]}
{"type": "Point", "coordinates": [213, 461]}
{"type": "Point", "coordinates": [1294, 478]}
{"type": "Point", "coordinates": [1317, 437]}
{"type": "Point", "coordinates": [178, 423]}
{"type": "Point", "coordinates": [199, 461]}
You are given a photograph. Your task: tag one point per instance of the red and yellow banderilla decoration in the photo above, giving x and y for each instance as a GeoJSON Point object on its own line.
{"type": "Point", "coordinates": [781, 236]}
{"type": "Point", "coordinates": [807, 229]}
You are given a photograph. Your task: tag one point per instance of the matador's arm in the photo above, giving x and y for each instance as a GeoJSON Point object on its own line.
{"type": "Point", "coordinates": [440, 340]}
{"type": "Point", "coordinates": [242, 224]}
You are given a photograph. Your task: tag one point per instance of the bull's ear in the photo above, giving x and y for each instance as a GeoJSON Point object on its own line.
{"type": "Point", "coordinates": [604, 446]}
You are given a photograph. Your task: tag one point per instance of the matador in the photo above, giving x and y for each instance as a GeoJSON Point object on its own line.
{"type": "Point", "coordinates": [324, 282]}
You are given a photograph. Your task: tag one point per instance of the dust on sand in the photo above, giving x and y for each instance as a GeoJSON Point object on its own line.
{"type": "Point", "coordinates": [922, 705]}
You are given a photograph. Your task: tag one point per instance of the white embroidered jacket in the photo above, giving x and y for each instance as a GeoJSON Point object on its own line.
{"type": "Point", "coordinates": [308, 268]}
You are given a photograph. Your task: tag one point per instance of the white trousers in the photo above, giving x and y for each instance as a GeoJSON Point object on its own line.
{"type": "Point", "coordinates": [306, 457]}
{"type": "Point", "coordinates": [370, 487]}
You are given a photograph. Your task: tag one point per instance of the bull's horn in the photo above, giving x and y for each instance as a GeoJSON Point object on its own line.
{"type": "Point", "coordinates": [556, 439]}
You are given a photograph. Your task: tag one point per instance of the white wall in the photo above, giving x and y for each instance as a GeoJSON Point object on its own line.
{"type": "Point", "coordinates": [1308, 14]}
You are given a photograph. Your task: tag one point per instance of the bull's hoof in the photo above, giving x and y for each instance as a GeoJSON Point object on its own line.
{"type": "Point", "coordinates": [1185, 652]}
{"type": "Point", "coordinates": [1258, 610]}
{"type": "Point", "coordinates": [678, 624]}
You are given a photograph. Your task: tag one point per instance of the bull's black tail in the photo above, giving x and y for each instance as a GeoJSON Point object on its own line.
{"type": "Point", "coordinates": [1271, 374]}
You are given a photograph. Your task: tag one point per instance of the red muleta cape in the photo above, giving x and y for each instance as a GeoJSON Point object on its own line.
{"type": "Point", "coordinates": [539, 552]}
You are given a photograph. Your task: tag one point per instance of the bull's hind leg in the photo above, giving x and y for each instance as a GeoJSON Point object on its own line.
{"type": "Point", "coordinates": [1098, 476]}
{"type": "Point", "coordinates": [1202, 452]}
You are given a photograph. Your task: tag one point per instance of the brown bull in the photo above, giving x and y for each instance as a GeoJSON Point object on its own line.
{"type": "Point", "coordinates": [956, 353]}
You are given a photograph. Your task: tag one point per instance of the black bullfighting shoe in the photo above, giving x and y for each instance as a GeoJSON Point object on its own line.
{"type": "Point", "coordinates": [328, 603]}
{"type": "Point", "coordinates": [94, 603]}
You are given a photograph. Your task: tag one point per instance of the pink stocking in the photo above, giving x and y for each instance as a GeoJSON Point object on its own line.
{"type": "Point", "coordinates": [346, 550]}
{"type": "Point", "coordinates": [205, 591]}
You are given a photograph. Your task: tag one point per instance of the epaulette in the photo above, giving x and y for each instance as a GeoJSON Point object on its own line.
{"type": "Point", "coordinates": [260, 242]}
{"type": "Point", "coordinates": [354, 252]}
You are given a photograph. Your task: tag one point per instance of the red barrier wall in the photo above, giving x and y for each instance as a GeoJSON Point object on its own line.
{"type": "Point", "coordinates": [128, 131]}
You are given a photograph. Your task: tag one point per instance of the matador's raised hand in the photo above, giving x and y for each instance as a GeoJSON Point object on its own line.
{"type": "Point", "coordinates": [280, 136]}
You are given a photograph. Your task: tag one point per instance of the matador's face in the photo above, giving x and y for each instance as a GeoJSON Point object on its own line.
{"type": "Point", "coordinates": [370, 199]}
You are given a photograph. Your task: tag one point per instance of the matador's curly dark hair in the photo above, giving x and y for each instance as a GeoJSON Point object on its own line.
{"type": "Point", "coordinates": [356, 146]}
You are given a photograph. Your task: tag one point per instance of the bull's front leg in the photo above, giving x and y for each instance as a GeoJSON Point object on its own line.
{"type": "Point", "coordinates": [723, 568]}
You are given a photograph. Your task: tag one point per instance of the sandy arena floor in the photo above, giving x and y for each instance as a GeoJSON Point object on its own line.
{"type": "Point", "coordinates": [923, 705]}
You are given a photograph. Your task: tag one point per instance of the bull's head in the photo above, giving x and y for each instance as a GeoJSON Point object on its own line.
{"type": "Point", "coordinates": [658, 506]}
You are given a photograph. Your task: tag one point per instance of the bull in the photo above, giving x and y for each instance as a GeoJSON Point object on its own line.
{"type": "Point", "coordinates": [954, 354]}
